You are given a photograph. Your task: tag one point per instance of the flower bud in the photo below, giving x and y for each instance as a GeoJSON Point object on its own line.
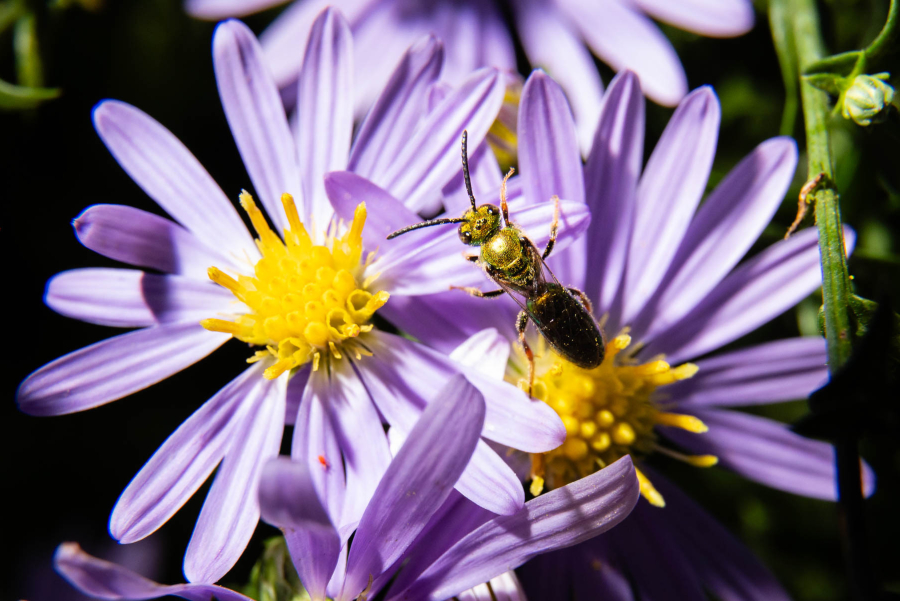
{"type": "Point", "coordinates": [868, 99]}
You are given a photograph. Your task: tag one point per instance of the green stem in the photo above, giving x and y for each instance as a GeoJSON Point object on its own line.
{"type": "Point", "coordinates": [835, 280]}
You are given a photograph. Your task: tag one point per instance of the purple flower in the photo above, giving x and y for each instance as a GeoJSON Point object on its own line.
{"type": "Point", "coordinates": [553, 34]}
{"type": "Point", "coordinates": [303, 301]}
{"type": "Point", "coordinates": [665, 281]}
{"type": "Point", "coordinates": [417, 535]}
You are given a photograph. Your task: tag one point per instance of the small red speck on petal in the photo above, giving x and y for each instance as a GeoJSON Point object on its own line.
{"type": "Point", "coordinates": [323, 461]}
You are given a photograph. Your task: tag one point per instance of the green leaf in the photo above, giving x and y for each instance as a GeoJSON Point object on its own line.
{"type": "Point", "coordinates": [828, 82]}
{"type": "Point", "coordinates": [29, 67]}
{"type": "Point", "coordinates": [13, 97]}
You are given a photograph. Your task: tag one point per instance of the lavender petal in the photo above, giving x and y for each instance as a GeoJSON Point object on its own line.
{"type": "Point", "coordinates": [167, 171]}
{"type": "Point", "coordinates": [183, 463]}
{"type": "Point", "coordinates": [256, 117]}
{"type": "Point", "coordinates": [712, 18]}
{"type": "Point", "coordinates": [418, 481]}
{"type": "Point", "coordinates": [114, 368]}
{"type": "Point", "coordinates": [231, 510]}
{"type": "Point", "coordinates": [490, 483]}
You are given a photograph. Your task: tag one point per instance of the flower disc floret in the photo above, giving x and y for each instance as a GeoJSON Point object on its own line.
{"type": "Point", "coordinates": [608, 412]}
{"type": "Point", "coordinates": [304, 300]}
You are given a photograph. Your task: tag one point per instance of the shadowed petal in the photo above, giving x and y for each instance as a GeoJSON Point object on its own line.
{"type": "Point", "coordinates": [555, 520]}
{"type": "Point", "coordinates": [487, 352]}
{"type": "Point", "coordinates": [256, 117]}
{"type": "Point", "coordinates": [758, 290]}
{"type": "Point", "coordinates": [713, 18]}
{"type": "Point", "coordinates": [128, 298]}
{"type": "Point", "coordinates": [418, 481]}
{"type": "Point", "coordinates": [429, 159]}
{"type": "Point", "coordinates": [611, 176]}
{"type": "Point", "coordinates": [552, 43]}
{"type": "Point", "coordinates": [625, 39]}
{"type": "Point", "coordinates": [288, 499]}
{"type": "Point", "coordinates": [183, 462]}
{"type": "Point", "coordinates": [782, 370]}
{"type": "Point", "coordinates": [146, 240]}
{"type": "Point", "coordinates": [324, 109]}
{"type": "Point", "coordinates": [670, 189]}
{"type": "Point", "coordinates": [725, 228]}
{"type": "Point", "coordinates": [723, 563]}
{"type": "Point", "coordinates": [767, 452]}
{"type": "Point", "coordinates": [105, 580]}
{"type": "Point", "coordinates": [231, 509]}
{"type": "Point", "coordinates": [391, 121]}
{"type": "Point", "coordinates": [167, 171]}
{"type": "Point", "coordinates": [114, 368]}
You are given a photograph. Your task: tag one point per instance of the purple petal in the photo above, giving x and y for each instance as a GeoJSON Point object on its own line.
{"type": "Point", "coordinates": [127, 298]}
{"type": "Point", "coordinates": [504, 587]}
{"type": "Point", "coordinates": [214, 10]}
{"type": "Point", "coordinates": [512, 418]}
{"type": "Point", "coordinates": [231, 509]}
{"type": "Point", "coordinates": [167, 171]}
{"type": "Point", "coordinates": [611, 176]}
{"type": "Point", "coordinates": [391, 121]}
{"type": "Point", "coordinates": [555, 520]}
{"type": "Point", "coordinates": [625, 39]}
{"type": "Point", "coordinates": [288, 499]}
{"type": "Point", "coordinates": [359, 434]}
{"type": "Point", "coordinates": [758, 290]}
{"type": "Point", "coordinates": [429, 159]}
{"type": "Point", "coordinates": [324, 109]}
{"type": "Point", "coordinates": [315, 440]}
{"type": "Point", "coordinates": [486, 352]}
{"type": "Point", "coordinates": [767, 452]}
{"type": "Point", "coordinates": [105, 580]}
{"type": "Point", "coordinates": [256, 117]}
{"type": "Point", "coordinates": [140, 238]}
{"type": "Point", "coordinates": [550, 159]}
{"type": "Point", "coordinates": [418, 481]}
{"type": "Point", "coordinates": [713, 18]}
{"type": "Point", "coordinates": [114, 368]}
{"type": "Point", "coordinates": [724, 565]}
{"type": "Point", "coordinates": [551, 42]}
{"type": "Point", "coordinates": [670, 189]}
{"type": "Point", "coordinates": [457, 517]}
{"type": "Point", "coordinates": [783, 370]}
{"type": "Point", "coordinates": [485, 177]}
{"type": "Point", "coordinates": [183, 462]}
{"type": "Point", "coordinates": [490, 483]}
{"type": "Point", "coordinates": [725, 228]}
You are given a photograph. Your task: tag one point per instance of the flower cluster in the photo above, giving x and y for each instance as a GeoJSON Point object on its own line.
{"type": "Point", "coordinates": [438, 441]}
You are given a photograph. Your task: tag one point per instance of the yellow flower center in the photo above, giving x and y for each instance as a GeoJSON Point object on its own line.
{"type": "Point", "coordinates": [608, 412]}
{"type": "Point", "coordinates": [305, 300]}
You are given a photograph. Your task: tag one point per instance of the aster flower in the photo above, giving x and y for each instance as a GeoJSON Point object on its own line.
{"type": "Point", "coordinates": [416, 524]}
{"type": "Point", "coordinates": [304, 301]}
{"type": "Point", "coordinates": [553, 34]}
{"type": "Point", "coordinates": [664, 279]}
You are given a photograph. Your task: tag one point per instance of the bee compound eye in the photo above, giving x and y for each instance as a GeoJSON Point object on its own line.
{"type": "Point", "coordinates": [465, 236]}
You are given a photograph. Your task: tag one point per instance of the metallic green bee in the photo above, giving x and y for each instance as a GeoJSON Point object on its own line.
{"type": "Point", "coordinates": [563, 315]}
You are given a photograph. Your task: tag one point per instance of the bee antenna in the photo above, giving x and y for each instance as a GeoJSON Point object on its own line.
{"type": "Point", "coordinates": [425, 224]}
{"type": "Point", "coordinates": [465, 162]}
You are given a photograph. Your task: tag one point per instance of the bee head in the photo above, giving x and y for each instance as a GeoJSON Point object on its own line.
{"type": "Point", "coordinates": [479, 225]}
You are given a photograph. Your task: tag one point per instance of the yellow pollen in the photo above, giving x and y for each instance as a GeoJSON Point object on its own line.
{"type": "Point", "coordinates": [648, 491]}
{"type": "Point", "coordinates": [303, 301]}
{"type": "Point", "coordinates": [608, 412]}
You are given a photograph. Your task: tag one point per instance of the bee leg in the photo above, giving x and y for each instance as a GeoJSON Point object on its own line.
{"type": "Point", "coordinates": [554, 227]}
{"type": "Point", "coordinates": [584, 299]}
{"type": "Point", "coordinates": [503, 206]}
{"type": "Point", "coordinates": [521, 324]}
{"type": "Point", "coordinates": [472, 258]}
{"type": "Point", "coordinates": [477, 292]}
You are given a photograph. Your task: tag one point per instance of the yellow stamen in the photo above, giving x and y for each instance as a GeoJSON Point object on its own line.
{"type": "Point", "coordinates": [685, 422]}
{"type": "Point", "coordinates": [608, 412]}
{"type": "Point", "coordinates": [695, 460]}
{"type": "Point", "coordinates": [304, 301]}
{"type": "Point", "coordinates": [648, 491]}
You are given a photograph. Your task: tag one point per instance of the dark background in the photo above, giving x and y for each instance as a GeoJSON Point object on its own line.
{"type": "Point", "coordinates": [61, 476]}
